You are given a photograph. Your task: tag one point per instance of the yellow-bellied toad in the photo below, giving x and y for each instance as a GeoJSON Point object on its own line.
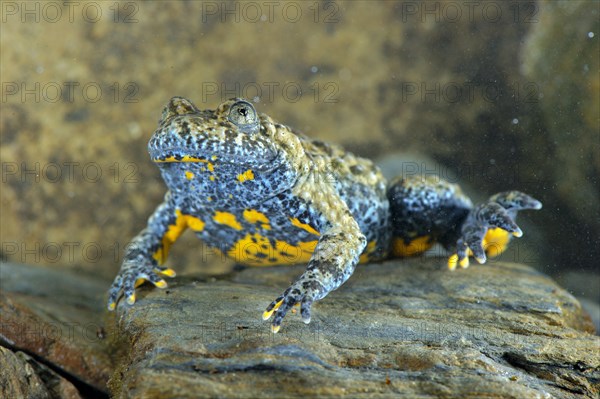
{"type": "Point", "coordinates": [264, 194]}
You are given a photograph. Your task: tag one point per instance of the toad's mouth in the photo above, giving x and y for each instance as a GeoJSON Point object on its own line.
{"type": "Point", "coordinates": [168, 157]}
{"type": "Point", "coordinates": [180, 158]}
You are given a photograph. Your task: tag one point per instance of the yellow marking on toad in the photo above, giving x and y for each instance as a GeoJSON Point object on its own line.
{"type": "Point", "coordinates": [304, 226]}
{"type": "Point", "coordinates": [253, 216]}
{"type": "Point", "coordinates": [495, 241]}
{"type": "Point", "coordinates": [247, 175]}
{"type": "Point", "coordinates": [174, 231]}
{"type": "Point", "coordinates": [257, 250]}
{"type": "Point", "coordinates": [187, 158]}
{"type": "Point", "coordinates": [142, 280]}
{"type": "Point", "coordinates": [228, 219]}
{"type": "Point", "coordinates": [189, 175]}
{"type": "Point", "coordinates": [414, 247]}
{"type": "Point", "coordinates": [167, 272]}
{"type": "Point", "coordinates": [371, 247]}
{"type": "Point", "coordinates": [267, 314]}
{"type": "Point", "coordinates": [452, 261]}
{"type": "Point", "coordinates": [194, 223]}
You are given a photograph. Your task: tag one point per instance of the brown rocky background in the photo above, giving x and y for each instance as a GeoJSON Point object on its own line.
{"type": "Point", "coordinates": [494, 95]}
{"type": "Point", "coordinates": [498, 95]}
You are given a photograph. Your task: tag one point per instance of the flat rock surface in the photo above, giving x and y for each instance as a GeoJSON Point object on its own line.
{"type": "Point", "coordinates": [408, 328]}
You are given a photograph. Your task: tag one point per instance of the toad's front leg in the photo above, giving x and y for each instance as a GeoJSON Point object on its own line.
{"type": "Point", "coordinates": [145, 254]}
{"type": "Point", "coordinates": [332, 263]}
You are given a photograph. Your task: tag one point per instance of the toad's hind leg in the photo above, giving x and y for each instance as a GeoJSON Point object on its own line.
{"type": "Point", "coordinates": [429, 210]}
{"type": "Point", "coordinates": [489, 226]}
{"type": "Point", "coordinates": [425, 210]}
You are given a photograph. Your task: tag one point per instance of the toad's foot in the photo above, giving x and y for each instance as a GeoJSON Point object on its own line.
{"type": "Point", "coordinates": [304, 292]}
{"type": "Point", "coordinates": [488, 227]}
{"type": "Point", "coordinates": [133, 273]}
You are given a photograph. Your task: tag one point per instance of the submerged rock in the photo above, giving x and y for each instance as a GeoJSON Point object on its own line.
{"type": "Point", "coordinates": [55, 317]}
{"type": "Point", "coordinates": [402, 327]}
{"type": "Point", "coordinates": [23, 377]}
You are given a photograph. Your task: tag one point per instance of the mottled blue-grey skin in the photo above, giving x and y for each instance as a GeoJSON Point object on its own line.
{"type": "Point", "coordinates": [263, 194]}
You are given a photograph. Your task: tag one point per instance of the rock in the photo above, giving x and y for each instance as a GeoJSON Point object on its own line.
{"type": "Point", "coordinates": [585, 286]}
{"type": "Point", "coordinates": [402, 327]}
{"type": "Point", "coordinates": [56, 316]}
{"type": "Point", "coordinates": [23, 377]}
{"type": "Point", "coordinates": [18, 379]}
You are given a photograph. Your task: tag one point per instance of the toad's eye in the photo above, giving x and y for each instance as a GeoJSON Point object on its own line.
{"type": "Point", "coordinates": [243, 115]}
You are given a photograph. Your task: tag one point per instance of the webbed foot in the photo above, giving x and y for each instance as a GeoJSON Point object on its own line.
{"type": "Point", "coordinates": [488, 227]}
{"type": "Point", "coordinates": [303, 292]}
{"type": "Point", "coordinates": [134, 273]}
